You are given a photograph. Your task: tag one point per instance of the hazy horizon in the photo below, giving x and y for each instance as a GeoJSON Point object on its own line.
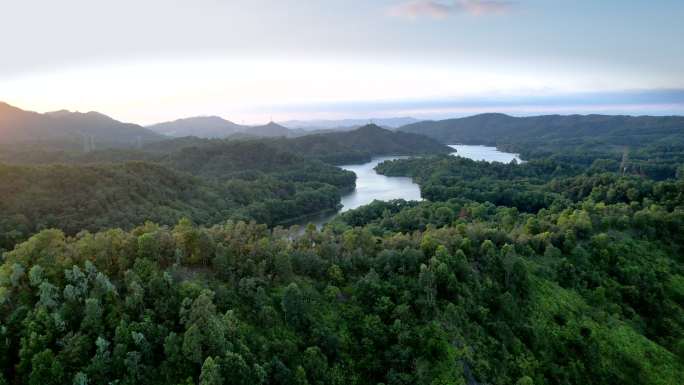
{"type": "Point", "coordinates": [460, 109]}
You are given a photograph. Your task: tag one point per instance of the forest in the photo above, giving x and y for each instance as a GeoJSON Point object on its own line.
{"type": "Point", "coordinates": [271, 181]}
{"type": "Point", "coordinates": [653, 145]}
{"type": "Point", "coordinates": [169, 264]}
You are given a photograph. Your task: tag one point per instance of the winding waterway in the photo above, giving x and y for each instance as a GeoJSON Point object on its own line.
{"type": "Point", "coordinates": [371, 186]}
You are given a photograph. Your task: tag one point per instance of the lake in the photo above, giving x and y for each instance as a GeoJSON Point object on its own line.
{"type": "Point", "coordinates": [371, 186]}
{"type": "Point", "coordinates": [490, 154]}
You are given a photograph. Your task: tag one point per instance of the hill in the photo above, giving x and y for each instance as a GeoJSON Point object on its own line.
{"type": "Point", "coordinates": [549, 129]}
{"type": "Point", "coordinates": [643, 145]}
{"type": "Point", "coordinates": [271, 129]}
{"type": "Point", "coordinates": [345, 124]}
{"type": "Point", "coordinates": [220, 155]}
{"type": "Point", "coordinates": [99, 196]}
{"type": "Point", "coordinates": [214, 127]}
{"type": "Point", "coordinates": [361, 144]}
{"type": "Point", "coordinates": [91, 129]}
{"type": "Point", "coordinates": [202, 126]}
{"type": "Point", "coordinates": [249, 159]}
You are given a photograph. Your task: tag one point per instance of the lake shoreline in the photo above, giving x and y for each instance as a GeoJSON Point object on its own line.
{"type": "Point", "coordinates": [371, 185]}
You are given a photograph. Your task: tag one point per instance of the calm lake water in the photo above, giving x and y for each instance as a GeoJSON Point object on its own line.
{"type": "Point", "coordinates": [371, 186]}
{"type": "Point", "coordinates": [490, 154]}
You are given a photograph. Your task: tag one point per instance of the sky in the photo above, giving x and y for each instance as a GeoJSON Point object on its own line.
{"type": "Point", "coordinates": [147, 61]}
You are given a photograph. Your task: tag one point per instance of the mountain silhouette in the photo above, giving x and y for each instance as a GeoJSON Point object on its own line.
{"type": "Point", "coordinates": [19, 126]}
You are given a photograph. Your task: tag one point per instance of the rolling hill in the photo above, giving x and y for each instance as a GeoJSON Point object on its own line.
{"type": "Point", "coordinates": [214, 127]}
{"type": "Point", "coordinates": [201, 126]}
{"type": "Point", "coordinates": [347, 124]}
{"type": "Point", "coordinates": [94, 129]}
{"type": "Point", "coordinates": [361, 144]}
{"type": "Point", "coordinates": [271, 129]}
{"type": "Point", "coordinates": [498, 129]}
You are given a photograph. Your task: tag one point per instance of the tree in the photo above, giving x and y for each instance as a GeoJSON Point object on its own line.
{"type": "Point", "coordinates": [211, 373]}
{"type": "Point", "coordinates": [205, 330]}
{"type": "Point", "coordinates": [294, 307]}
{"type": "Point", "coordinates": [316, 365]}
{"type": "Point", "coordinates": [235, 370]}
{"type": "Point", "coordinates": [80, 378]}
{"type": "Point", "coordinates": [92, 317]}
{"type": "Point", "coordinates": [45, 369]}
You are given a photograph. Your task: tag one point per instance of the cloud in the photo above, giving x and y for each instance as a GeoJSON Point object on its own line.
{"type": "Point", "coordinates": [414, 9]}
{"type": "Point", "coordinates": [440, 10]}
{"type": "Point", "coordinates": [476, 7]}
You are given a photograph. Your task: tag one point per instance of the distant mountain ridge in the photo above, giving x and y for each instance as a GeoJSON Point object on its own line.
{"type": "Point", "coordinates": [92, 128]}
{"type": "Point", "coordinates": [328, 124]}
{"type": "Point", "coordinates": [338, 147]}
{"type": "Point", "coordinates": [201, 126]}
{"type": "Point", "coordinates": [495, 128]}
{"type": "Point", "coordinates": [270, 129]}
{"type": "Point", "coordinates": [214, 127]}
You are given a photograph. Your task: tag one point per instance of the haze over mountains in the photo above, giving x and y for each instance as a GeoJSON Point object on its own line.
{"type": "Point", "coordinates": [217, 127]}
{"type": "Point", "coordinates": [204, 134]}
{"type": "Point", "coordinates": [19, 126]}
{"type": "Point", "coordinates": [201, 126]}
{"type": "Point", "coordinates": [96, 130]}
{"type": "Point", "coordinates": [325, 124]}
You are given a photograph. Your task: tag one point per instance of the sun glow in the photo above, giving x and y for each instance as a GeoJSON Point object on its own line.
{"type": "Point", "coordinates": [246, 90]}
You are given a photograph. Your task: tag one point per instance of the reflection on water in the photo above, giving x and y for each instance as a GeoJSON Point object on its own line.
{"type": "Point", "coordinates": [490, 154]}
{"type": "Point", "coordinates": [371, 185]}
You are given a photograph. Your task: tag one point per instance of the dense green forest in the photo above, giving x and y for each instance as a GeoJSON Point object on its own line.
{"type": "Point", "coordinates": [355, 146]}
{"type": "Point", "coordinates": [166, 265]}
{"type": "Point", "coordinates": [552, 129]}
{"type": "Point", "coordinates": [75, 198]}
{"type": "Point", "coordinates": [208, 181]}
{"type": "Point", "coordinates": [209, 184]}
{"type": "Point", "coordinates": [360, 145]}
{"type": "Point", "coordinates": [653, 146]}
{"type": "Point", "coordinates": [413, 293]}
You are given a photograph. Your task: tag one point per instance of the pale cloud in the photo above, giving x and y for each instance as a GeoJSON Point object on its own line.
{"type": "Point", "coordinates": [414, 9]}
{"type": "Point", "coordinates": [476, 7]}
{"type": "Point", "coordinates": [440, 10]}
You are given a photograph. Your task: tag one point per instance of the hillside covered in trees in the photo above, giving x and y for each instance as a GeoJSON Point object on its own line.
{"type": "Point", "coordinates": [358, 146]}
{"type": "Point", "coordinates": [551, 129]}
{"type": "Point", "coordinates": [452, 292]}
{"type": "Point", "coordinates": [97, 197]}
{"type": "Point", "coordinates": [208, 181]}
{"type": "Point", "coordinates": [354, 146]}
{"type": "Point", "coordinates": [653, 145]}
